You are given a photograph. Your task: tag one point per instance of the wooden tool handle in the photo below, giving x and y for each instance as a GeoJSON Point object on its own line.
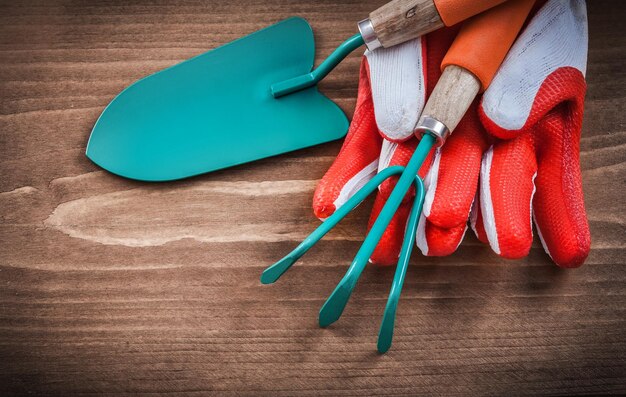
{"type": "Point", "coordinates": [454, 93]}
{"type": "Point", "coordinates": [470, 64]}
{"type": "Point", "coordinates": [402, 20]}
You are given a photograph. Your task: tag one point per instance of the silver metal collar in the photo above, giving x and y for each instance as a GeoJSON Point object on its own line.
{"type": "Point", "coordinates": [366, 28]}
{"type": "Point", "coordinates": [432, 126]}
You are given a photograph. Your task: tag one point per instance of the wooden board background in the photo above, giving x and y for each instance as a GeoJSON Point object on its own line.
{"type": "Point", "coordinates": [109, 286]}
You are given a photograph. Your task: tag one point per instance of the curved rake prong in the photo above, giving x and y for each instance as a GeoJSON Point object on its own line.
{"type": "Point", "coordinates": [336, 302]}
{"type": "Point", "coordinates": [273, 273]}
{"type": "Point", "coordinates": [385, 335]}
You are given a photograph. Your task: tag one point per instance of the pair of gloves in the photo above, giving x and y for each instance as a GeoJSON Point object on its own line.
{"type": "Point", "coordinates": [514, 158]}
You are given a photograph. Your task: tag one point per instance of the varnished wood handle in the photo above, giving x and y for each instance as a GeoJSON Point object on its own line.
{"type": "Point", "coordinates": [402, 20]}
{"type": "Point", "coordinates": [452, 96]}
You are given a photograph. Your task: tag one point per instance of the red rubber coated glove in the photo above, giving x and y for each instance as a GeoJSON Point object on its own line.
{"type": "Point", "coordinates": [532, 113]}
{"type": "Point", "coordinates": [525, 148]}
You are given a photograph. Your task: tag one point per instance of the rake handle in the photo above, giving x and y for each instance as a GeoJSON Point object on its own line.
{"type": "Point", "coordinates": [402, 20]}
{"type": "Point", "coordinates": [470, 64]}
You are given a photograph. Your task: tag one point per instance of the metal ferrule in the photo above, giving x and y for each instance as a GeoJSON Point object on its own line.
{"type": "Point", "coordinates": [366, 28]}
{"type": "Point", "coordinates": [432, 126]}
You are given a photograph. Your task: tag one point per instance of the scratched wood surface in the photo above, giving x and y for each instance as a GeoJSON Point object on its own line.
{"type": "Point", "coordinates": [109, 286]}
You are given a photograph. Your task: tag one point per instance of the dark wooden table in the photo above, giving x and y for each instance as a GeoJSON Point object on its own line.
{"type": "Point", "coordinates": [109, 286]}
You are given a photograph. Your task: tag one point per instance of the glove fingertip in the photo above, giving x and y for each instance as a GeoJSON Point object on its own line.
{"type": "Point", "coordinates": [492, 127]}
{"type": "Point", "coordinates": [436, 241]}
{"type": "Point", "coordinates": [398, 88]}
{"type": "Point", "coordinates": [569, 255]}
{"type": "Point", "coordinates": [559, 206]}
{"type": "Point", "coordinates": [322, 211]}
{"type": "Point", "coordinates": [505, 200]}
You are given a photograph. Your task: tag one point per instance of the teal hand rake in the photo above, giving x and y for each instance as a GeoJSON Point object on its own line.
{"type": "Point", "coordinates": [488, 38]}
{"type": "Point", "coordinates": [334, 306]}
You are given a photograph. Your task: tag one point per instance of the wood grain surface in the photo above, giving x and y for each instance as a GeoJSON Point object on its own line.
{"type": "Point", "coordinates": [114, 287]}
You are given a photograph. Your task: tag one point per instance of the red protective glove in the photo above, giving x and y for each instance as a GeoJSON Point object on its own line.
{"type": "Point", "coordinates": [530, 120]}
{"type": "Point", "coordinates": [533, 113]}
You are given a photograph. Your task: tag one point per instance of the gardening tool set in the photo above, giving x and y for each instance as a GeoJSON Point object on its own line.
{"type": "Point", "coordinates": [223, 108]}
{"type": "Point", "coordinates": [249, 99]}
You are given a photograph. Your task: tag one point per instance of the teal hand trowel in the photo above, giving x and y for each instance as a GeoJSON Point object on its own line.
{"type": "Point", "coordinates": [249, 99]}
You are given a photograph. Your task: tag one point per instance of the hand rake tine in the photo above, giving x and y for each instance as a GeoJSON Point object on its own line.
{"type": "Point", "coordinates": [275, 271]}
{"type": "Point", "coordinates": [336, 302]}
{"type": "Point", "coordinates": [385, 335]}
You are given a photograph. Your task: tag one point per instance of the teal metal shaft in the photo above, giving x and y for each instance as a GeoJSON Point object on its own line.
{"type": "Point", "coordinates": [385, 334]}
{"type": "Point", "coordinates": [334, 306]}
{"type": "Point", "coordinates": [310, 79]}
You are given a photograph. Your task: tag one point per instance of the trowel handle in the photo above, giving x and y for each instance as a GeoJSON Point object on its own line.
{"type": "Point", "coordinates": [402, 20]}
{"type": "Point", "coordinates": [470, 64]}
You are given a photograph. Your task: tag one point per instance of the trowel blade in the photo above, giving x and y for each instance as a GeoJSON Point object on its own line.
{"type": "Point", "coordinates": [216, 110]}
